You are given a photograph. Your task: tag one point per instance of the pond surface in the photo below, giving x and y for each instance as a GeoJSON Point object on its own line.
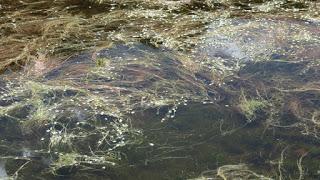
{"type": "Point", "coordinates": [159, 89]}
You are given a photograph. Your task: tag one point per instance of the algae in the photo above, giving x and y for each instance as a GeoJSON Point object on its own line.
{"type": "Point", "coordinates": [159, 89]}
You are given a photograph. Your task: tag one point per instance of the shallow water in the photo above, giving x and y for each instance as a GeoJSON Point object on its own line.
{"type": "Point", "coordinates": [159, 90]}
{"type": "Point", "coordinates": [3, 172]}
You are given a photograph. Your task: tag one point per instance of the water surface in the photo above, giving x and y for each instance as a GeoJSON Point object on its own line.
{"type": "Point", "coordinates": [159, 90]}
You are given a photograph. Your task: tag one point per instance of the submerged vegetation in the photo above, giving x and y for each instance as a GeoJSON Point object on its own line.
{"type": "Point", "coordinates": [250, 107]}
{"type": "Point", "coordinates": [33, 32]}
{"type": "Point", "coordinates": [143, 89]}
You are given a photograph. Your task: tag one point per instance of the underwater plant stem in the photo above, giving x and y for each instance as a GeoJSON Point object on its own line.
{"type": "Point", "coordinates": [281, 161]}
{"type": "Point", "coordinates": [15, 175]}
{"type": "Point", "coordinates": [299, 164]}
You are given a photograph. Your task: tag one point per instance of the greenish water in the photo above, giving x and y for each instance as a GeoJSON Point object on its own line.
{"type": "Point", "coordinates": [159, 90]}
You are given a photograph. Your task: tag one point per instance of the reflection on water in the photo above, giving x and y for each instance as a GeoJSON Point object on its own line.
{"type": "Point", "coordinates": [3, 172]}
{"type": "Point", "coordinates": [159, 89]}
{"type": "Point", "coordinates": [26, 152]}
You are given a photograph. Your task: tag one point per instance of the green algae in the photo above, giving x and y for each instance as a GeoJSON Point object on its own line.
{"type": "Point", "coordinates": [122, 91]}
{"type": "Point", "coordinates": [251, 106]}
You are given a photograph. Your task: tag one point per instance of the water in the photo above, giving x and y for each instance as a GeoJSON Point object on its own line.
{"type": "Point", "coordinates": [159, 90]}
{"type": "Point", "coordinates": [3, 172]}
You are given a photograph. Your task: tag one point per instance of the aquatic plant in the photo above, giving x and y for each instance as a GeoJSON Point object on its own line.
{"type": "Point", "coordinates": [69, 31]}
{"type": "Point", "coordinates": [239, 171]}
{"type": "Point", "coordinates": [68, 159]}
{"type": "Point", "coordinates": [250, 107]}
{"type": "Point", "coordinates": [153, 86]}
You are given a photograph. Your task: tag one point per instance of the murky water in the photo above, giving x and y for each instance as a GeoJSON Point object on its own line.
{"type": "Point", "coordinates": [159, 89]}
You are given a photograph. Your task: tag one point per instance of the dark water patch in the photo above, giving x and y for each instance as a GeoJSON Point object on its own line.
{"type": "Point", "coordinates": [289, 75]}
{"type": "Point", "coordinates": [21, 112]}
{"type": "Point", "coordinates": [56, 96]}
{"type": "Point", "coordinates": [12, 165]}
{"type": "Point", "coordinates": [278, 56]}
{"type": "Point", "coordinates": [127, 52]}
{"type": "Point", "coordinates": [8, 100]}
{"type": "Point", "coordinates": [198, 133]}
{"type": "Point", "coordinates": [273, 67]}
{"type": "Point", "coordinates": [9, 128]}
{"type": "Point", "coordinates": [66, 67]}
